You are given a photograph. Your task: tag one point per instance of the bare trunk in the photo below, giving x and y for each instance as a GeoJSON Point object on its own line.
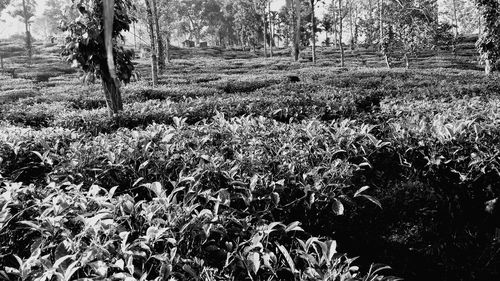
{"type": "Point", "coordinates": [271, 39]}
{"type": "Point", "coordinates": [135, 36]}
{"type": "Point", "coordinates": [28, 34]}
{"type": "Point", "coordinates": [159, 38]}
{"type": "Point", "coordinates": [111, 92]}
{"type": "Point", "coordinates": [110, 82]}
{"type": "Point", "coordinates": [351, 29]}
{"type": "Point", "coordinates": [265, 36]}
{"type": "Point", "coordinates": [488, 67]}
{"type": "Point", "coordinates": [342, 63]}
{"type": "Point", "coordinates": [296, 39]}
{"type": "Point", "coordinates": [369, 38]}
{"type": "Point", "coordinates": [335, 39]}
{"type": "Point", "coordinates": [387, 63]}
{"type": "Point", "coordinates": [455, 17]}
{"type": "Point", "coordinates": [480, 29]}
{"type": "Point", "coordinates": [154, 61]}
{"type": "Point", "coordinates": [380, 23]}
{"type": "Point", "coordinates": [407, 62]}
{"type": "Point", "coordinates": [313, 21]}
{"type": "Point", "coordinates": [167, 48]}
{"type": "Point", "coordinates": [1, 61]}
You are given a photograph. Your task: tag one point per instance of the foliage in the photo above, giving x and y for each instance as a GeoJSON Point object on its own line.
{"type": "Point", "coordinates": [487, 44]}
{"type": "Point", "coordinates": [85, 40]}
{"type": "Point", "coordinates": [228, 150]}
{"type": "Point", "coordinates": [3, 4]}
{"type": "Point", "coordinates": [18, 10]}
{"type": "Point", "coordinates": [412, 25]}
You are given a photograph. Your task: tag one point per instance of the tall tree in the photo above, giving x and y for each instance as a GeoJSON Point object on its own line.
{"type": "Point", "coordinates": [260, 7]}
{"type": "Point", "coordinates": [271, 35]}
{"type": "Point", "coordinates": [462, 14]}
{"type": "Point", "coordinates": [487, 44]}
{"type": "Point", "coordinates": [55, 12]}
{"type": "Point", "coordinates": [296, 35]}
{"type": "Point", "coordinates": [26, 11]}
{"type": "Point", "coordinates": [159, 37]}
{"type": "Point", "coordinates": [381, 23]}
{"type": "Point", "coordinates": [341, 16]}
{"type": "Point", "coordinates": [154, 59]}
{"type": "Point", "coordinates": [411, 26]}
{"type": "Point", "coordinates": [313, 29]}
{"type": "Point", "coordinates": [92, 44]}
{"type": "Point", "coordinates": [167, 20]}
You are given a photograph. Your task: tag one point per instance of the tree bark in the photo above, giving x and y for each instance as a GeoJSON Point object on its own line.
{"type": "Point", "coordinates": [313, 21]}
{"type": "Point", "coordinates": [342, 63]}
{"type": "Point", "coordinates": [110, 82]}
{"type": "Point", "coordinates": [265, 35]}
{"type": "Point", "coordinates": [455, 17]}
{"type": "Point", "coordinates": [334, 27]}
{"type": "Point", "coordinates": [380, 23]}
{"type": "Point", "coordinates": [111, 92]}
{"type": "Point", "coordinates": [387, 63]}
{"type": "Point", "coordinates": [159, 38]}
{"type": "Point", "coordinates": [271, 38]}
{"type": "Point", "coordinates": [369, 38]}
{"type": "Point", "coordinates": [28, 34]}
{"type": "Point", "coordinates": [135, 36]}
{"type": "Point", "coordinates": [296, 39]}
{"type": "Point", "coordinates": [167, 48]}
{"type": "Point", "coordinates": [488, 67]}
{"type": "Point", "coordinates": [154, 60]}
{"type": "Point", "coordinates": [351, 27]}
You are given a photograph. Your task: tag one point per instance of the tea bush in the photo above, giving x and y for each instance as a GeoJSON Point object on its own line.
{"type": "Point", "coordinates": [208, 175]}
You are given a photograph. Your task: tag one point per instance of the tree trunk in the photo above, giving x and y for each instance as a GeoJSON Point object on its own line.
{"type": "Point", "coordinates": [342, 63]}
{"type": "Point", "coordinates": [167, 48]}
{"type": "Point", "coordinates": [264, 20]}
{"type": "Point", "coordinates": [479, 27]}
{"type": "Point", "coordinates": [111, 92]}
{"type": "Point", "coordinates": [159, 38]}
{"type": "Point", "coordinates": [271, 39]}
{"type": "Point", "coordinates": [387, 63]}
{"type": "Point", "coordinates": [380, 24]}
{"type": "Point", "coordinates": [296, 37]}
{"type": "Point", "coordinates": [154, 61]}
{"type": "Point", "coordinates": [28, 34]}
{"type": "Point", "coordinates": [135, 37]}
{"type": "Point", "coordinates": [313, 21]}
{"type": "Point", "coordinates": [110, 82]}
{"type": "Point", "coordinates": [487, 67]}
{"type": "Point", "coordinates": [334, 29]}
{"type": "Point", "coordinates": [455, 17]}
{"type": "Point", "coordinates": [351, 27]}
{"type": "Point", "coordinates": [369, 37]}
{"type": "Point", "coordinates": [407, 62]}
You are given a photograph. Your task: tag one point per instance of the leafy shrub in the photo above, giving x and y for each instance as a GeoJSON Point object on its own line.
{"type": "Point", "coordinates": [14, 95]}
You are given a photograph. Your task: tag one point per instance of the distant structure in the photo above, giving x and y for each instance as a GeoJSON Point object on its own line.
{"type": "Point", "coordinates": [203, 45]}
{"type": "Point", "coordinates": [188, 44]}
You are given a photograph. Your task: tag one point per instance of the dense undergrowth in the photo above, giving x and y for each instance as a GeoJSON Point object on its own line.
{"type": "Point", "coordinates": [219, 175]}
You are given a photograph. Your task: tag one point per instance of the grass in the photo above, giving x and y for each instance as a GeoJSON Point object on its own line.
{"type": "Point", "coordinates": [234, 147]}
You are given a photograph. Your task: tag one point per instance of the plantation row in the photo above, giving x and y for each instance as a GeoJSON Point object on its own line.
{"type": "Point", "coordinates": [210, 179]}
